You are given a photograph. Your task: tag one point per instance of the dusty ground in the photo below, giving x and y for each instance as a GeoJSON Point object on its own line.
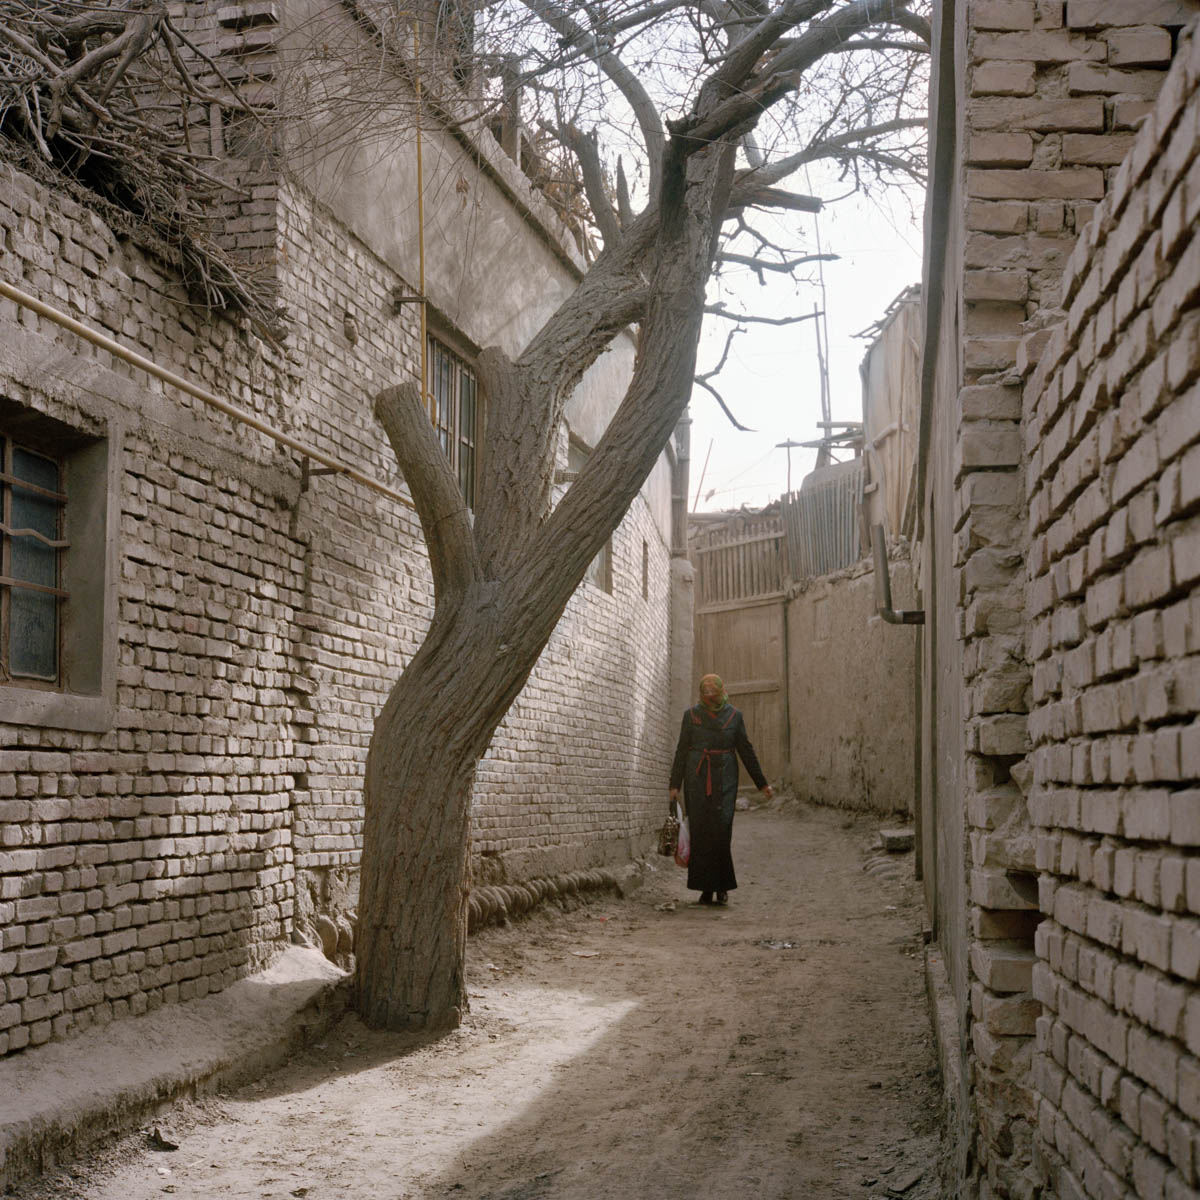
{"type": "Point", "coordinates": [637, 1047]}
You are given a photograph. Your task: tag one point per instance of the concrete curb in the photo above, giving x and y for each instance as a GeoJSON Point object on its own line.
{"type": "Point", "coordinates": [59, 1099]}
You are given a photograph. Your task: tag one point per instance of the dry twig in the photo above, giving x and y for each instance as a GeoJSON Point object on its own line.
{"type": "Point", "coordinates": [101, 95]}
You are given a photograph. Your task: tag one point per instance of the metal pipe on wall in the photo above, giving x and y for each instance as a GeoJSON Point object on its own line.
{"type": "Point", "coordinates": [184, 385]}
{"type": "Point", "coordinates": [883, 586]}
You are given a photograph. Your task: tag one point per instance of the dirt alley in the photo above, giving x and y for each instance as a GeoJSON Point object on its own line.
{"type": "Point", "coordinates": [779, 1047]}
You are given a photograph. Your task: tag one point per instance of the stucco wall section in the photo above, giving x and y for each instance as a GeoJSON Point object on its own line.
{"type": "Point", "coordinates": [851, 694]}
{"type": "Point", "coordinates": [1112, 429]}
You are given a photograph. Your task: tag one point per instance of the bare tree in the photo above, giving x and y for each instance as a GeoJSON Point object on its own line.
{"type": "Point", "coordinates": [726, 68]}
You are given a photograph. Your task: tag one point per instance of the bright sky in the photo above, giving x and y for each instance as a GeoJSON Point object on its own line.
{"type": "Point", "coordinates": [771, 382]}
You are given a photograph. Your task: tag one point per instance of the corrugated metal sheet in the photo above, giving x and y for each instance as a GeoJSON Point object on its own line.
{"type": "Point", "coordinates": [821, 525]}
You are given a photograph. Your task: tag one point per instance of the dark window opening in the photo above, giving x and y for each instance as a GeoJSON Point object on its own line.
{"type": "Point", "coordinates": [30, 565]}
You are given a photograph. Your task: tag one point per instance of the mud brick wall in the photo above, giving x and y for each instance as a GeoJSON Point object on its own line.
{"type": "Point", "coordinates": [1050, 94]}
{"type": "Point", "coordinates": [258, 626]}
{"type": "Point", "coordinates": [150, 860]}
{"type": "Point", "coordinates": [1112, 430]}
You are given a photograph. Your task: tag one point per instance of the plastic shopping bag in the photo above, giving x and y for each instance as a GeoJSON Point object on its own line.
{"type": "Point", "coordinates": [683, 845]}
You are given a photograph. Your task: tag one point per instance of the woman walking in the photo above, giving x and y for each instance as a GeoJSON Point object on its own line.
{"type": "Point", "coordinates": [711, 739]}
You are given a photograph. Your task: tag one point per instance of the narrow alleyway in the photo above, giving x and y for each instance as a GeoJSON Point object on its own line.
{"type": "Point", "coordinates": [636, 1047]}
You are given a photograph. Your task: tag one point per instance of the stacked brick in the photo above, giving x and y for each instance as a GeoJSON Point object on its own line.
{"type": "Point", "coordinates": [1053, 92]}
{"type": "Point", "coordinates": [152, 862]}
{"type": "Point", "coordinates": [261, 620]}
{"type": "Point", "coordinates": [1113, 435]}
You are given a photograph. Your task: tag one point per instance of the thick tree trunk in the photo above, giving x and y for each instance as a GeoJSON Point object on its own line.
{"type": "Point", "coordinates": [428, 738]}
{"type": "Point", "coordinates": [412, 906]}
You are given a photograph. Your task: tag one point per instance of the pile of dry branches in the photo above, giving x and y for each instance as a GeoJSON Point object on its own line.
{"type": "Point", "coordinates": [95, 98]}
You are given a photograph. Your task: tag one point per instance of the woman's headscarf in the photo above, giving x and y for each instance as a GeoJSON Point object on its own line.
{"type": "Point", "coordinates": [719, 703]}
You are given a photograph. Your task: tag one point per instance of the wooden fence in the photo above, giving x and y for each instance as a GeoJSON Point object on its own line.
{"type": "Point", "coordinates": [823, 525]}
{"type": "Point", "coordinates": [740, 560]}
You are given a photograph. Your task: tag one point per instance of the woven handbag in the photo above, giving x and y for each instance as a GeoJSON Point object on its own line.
{"type": "Point", "coordinates": [668, 837]}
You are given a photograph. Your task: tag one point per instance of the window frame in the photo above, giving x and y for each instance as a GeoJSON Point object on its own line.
{"type": "Point", "coordinates": [444, 348]}
{"type": "Point", "coordinates": [84, 696]}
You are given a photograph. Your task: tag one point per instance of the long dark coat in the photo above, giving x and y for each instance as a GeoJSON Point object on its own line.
{"type": "Point", "coordinates": [706, 768]}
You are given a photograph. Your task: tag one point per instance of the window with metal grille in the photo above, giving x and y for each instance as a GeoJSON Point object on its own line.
{"type": "Point", "coordinates": [30, 564]}
{"type": "Point", "coordinates": [455, 404]}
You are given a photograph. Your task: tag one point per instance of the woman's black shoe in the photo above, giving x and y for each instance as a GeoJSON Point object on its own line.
{"type": "Point", "coordinates": [706, 898]}
{"type": "Point", "coordinates": [722, 897]}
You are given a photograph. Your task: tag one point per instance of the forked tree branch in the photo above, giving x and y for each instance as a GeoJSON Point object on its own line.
{"type": "Point", "coordinates": [444, 516]}
{"type": "Point", "coordinates": [703, 379]}
{"type": "Point", "coordinates": [759, 265]}
{"type": "Point", "coordinates": [719, 310]}
{"type": "Point", "coordinates": [829, 147]}
{"type": "Point", "coordinates": [784, 71]}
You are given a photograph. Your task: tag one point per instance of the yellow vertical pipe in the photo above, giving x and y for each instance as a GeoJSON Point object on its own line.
{"type": "Point", "coordinates": [421, 222]}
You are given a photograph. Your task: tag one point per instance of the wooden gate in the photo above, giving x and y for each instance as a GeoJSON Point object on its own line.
{"type": "Point", "coordinates": [741, 628]}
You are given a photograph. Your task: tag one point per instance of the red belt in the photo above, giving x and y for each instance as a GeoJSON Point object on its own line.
{"type": "Point", "coordinates": [705, 764]}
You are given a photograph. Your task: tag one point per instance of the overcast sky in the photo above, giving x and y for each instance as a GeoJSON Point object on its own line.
{"type": "Point", "coordinates": [771, 382]}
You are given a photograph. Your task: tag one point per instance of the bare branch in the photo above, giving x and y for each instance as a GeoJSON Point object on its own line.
{"type": "Point", "coordinates": [624, 207]}
{"type": "Point", "coordinates": [444, 516]}
{"type": "Point", "coordinates": [586, 148]}
{"type": "Point", "coordinates": [881, 44]}
{"type": "Point", "coordinates": [824, 148]}
{"type": "Point", "coordinates": [745, 55]}
{"type": "Point", "coordinates": [758, 265]}
{"type": "Point", "coordinates": [703, 379]}
{"type": "Point", "coordinates": [630, 86]}
{"type": "Point", "coordinates": [786, 70]}
{"type": "Point", "coordinates": [724, 355]}
{"type": "Point", "coordinates": [915, 23]}
{"type": "Point", "coordinates": [719, 310]}
{"type": "Point", "coordinates": [111, 85]}
{"type": "Point", "coordinates": [708, 387]}
{"type": "Point", "coordinates": [747, 193]}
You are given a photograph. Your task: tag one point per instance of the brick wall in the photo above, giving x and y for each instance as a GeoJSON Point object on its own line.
{"type": "Point", "coordinates": [1112, 429]}
{"type": "Point", "coordinates": [1048, 95]}
{"type": "Point", "coordinates": [257, 628]}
